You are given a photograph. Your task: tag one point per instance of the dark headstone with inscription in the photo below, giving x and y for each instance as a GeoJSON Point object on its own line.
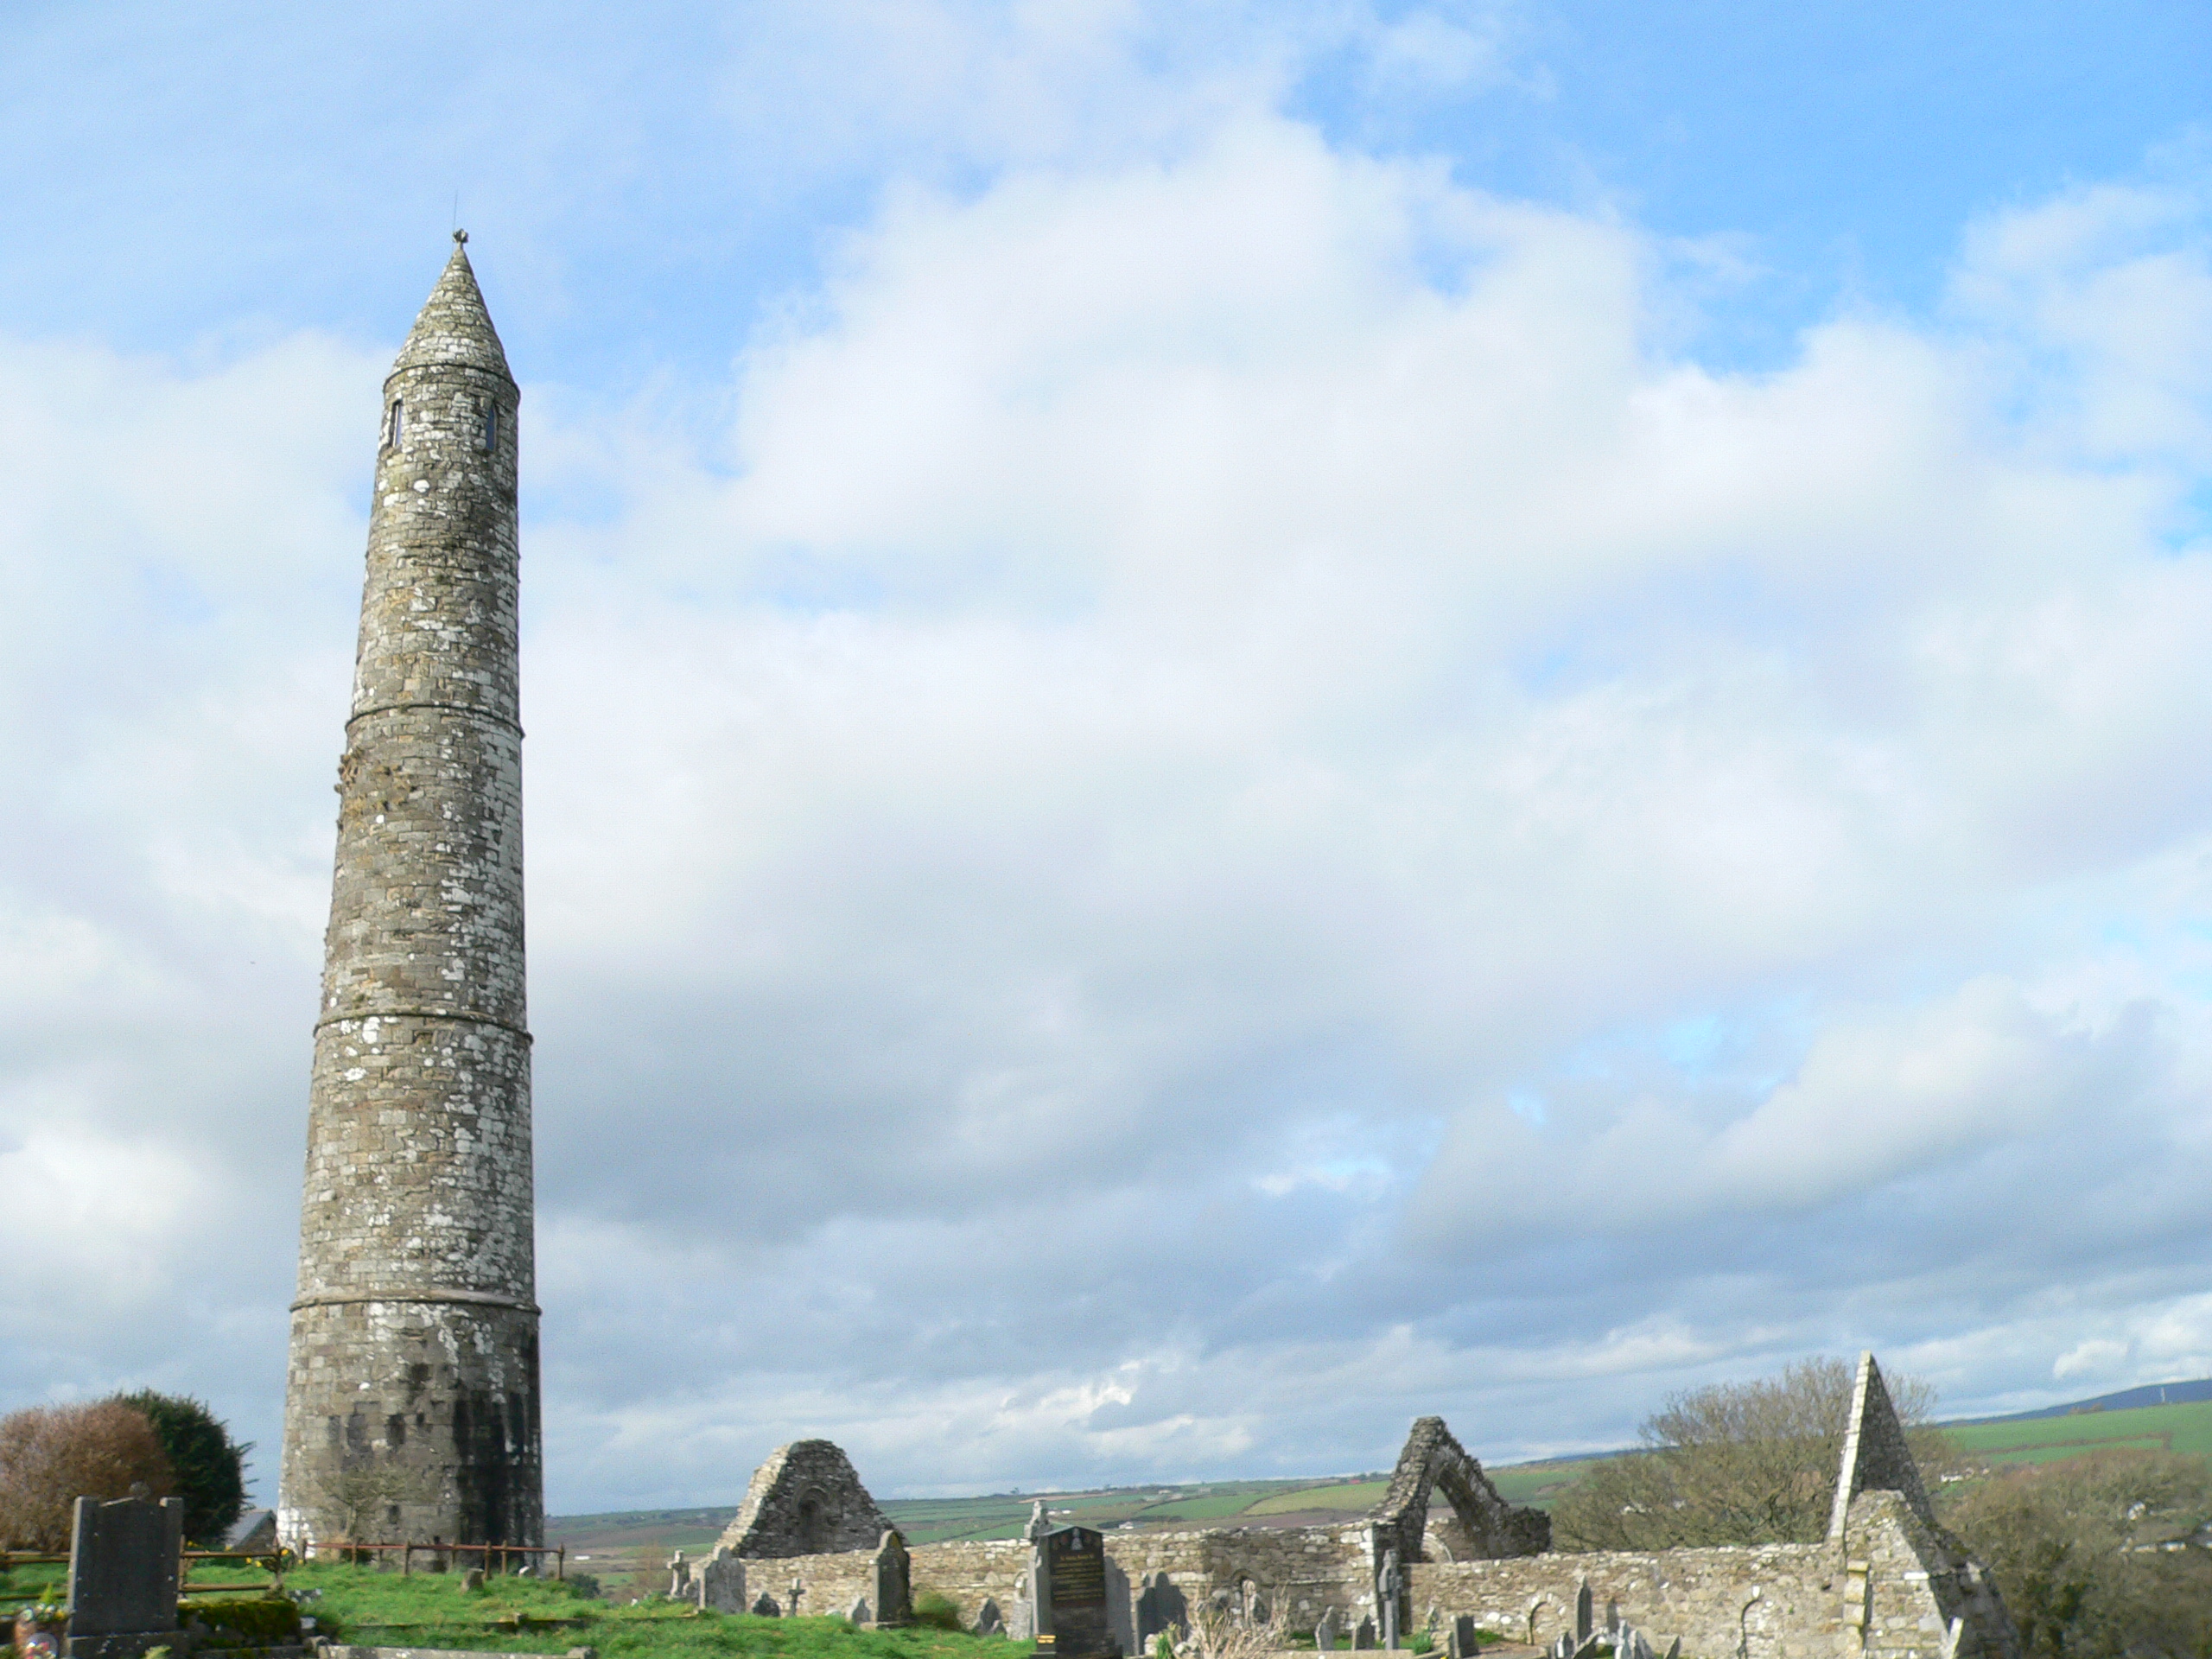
{"type": "Point", "coordinates": [124, 1558]}
{"type": "Point", "coordinates": [894, 1594]}
{"type": "Point", "coordinates": [1072, 1618]}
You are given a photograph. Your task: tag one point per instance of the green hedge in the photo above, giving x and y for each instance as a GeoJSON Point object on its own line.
{"type": "Point", "coordinates": [248, 1621]}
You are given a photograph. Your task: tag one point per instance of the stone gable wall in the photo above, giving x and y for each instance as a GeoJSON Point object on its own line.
{"type": "Point", "coordinates": [1892, 1592]}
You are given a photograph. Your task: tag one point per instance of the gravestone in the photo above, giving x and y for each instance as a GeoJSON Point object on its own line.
{"type": "Point", "coordinates": [859, 1613]}
{"type": "Point", "coordinates": [1325, 1633]}
{"type": "Point", "coordinates": [1161, 1607]}
{"type": "Point", "coordinates": [1069, 1594]}
{"type": "Point", "coordinates": [1465, 1644]}
{"type": "Point", "coordinates": [124, 1558]}
{"type": "Point", "coordinates": [1362, 1638]}
{"type": "Point", "coordinates": [722, 1582]}
{"type": "Point", "coordinates": [1392, 1585]}
{"type": "Point", "coordinates": [1586, 1626]}
{"type": "Point", "coordinates": [1121, 1607]}
{"type": "Point", "coordinates": [765, 1607]}
{"type": "Point", "coordinates": [989, 1620]}
{"type": "Point", "coordinates": [894, 1596]}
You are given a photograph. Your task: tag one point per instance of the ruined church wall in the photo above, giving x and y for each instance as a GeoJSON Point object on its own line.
{"type": "Point", "coordinates": [1310, 1568]}
{"type": "Point", "coordinates": [1764, 1601]}
{"type": "Point", "coordinates": [1891, 1591]}
{"type": "Point", "coordinates": [830, 1583]}
{"type": "Point", "coordinates": [1307, 1568]}
{"type": "Point", "coordinates": [966, 1573]}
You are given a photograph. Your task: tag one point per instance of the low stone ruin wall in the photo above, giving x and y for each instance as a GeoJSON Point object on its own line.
{"type": "Point", "coordinates": [968, 1574]}
{"type": "Point", "coordinates": [830, 1583]}
{"type": "Point", "coordinates": [1891, 1591]}
{"type": "Point", "coordinates": [1775, 1598]}
{"type": "Point", "coordinates": [1302, 1569]}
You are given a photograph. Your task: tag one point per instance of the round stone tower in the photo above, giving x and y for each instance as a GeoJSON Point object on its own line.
{"type": "Point", "coordinates": [412, 1402]}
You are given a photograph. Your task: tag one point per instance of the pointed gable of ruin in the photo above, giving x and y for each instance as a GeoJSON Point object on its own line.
{"type": "Point", "coordinates": [805, 1500]}
{"type": "Point", "coordinates": [1432, 1461]}
{"type": "Point", "coordinates": [1876, 1456]}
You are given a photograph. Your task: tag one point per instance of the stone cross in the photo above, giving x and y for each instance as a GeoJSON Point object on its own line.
{"type": "Point", "coordinates": [1039, 1524]}
{"type": "Point", "coordinates": [1393, 1584]}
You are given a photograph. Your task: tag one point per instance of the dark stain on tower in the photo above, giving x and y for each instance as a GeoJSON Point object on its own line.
{"type": "Point", "coordinates": [411, 1403]}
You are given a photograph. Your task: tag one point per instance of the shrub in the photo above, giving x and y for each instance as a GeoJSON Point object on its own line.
{"type": "Point", "coordinates": [209, 1466]}
{"type": "Point", "coordinates": [50, 1456]}
{"type": "Point", "coordinates": [247, 1621]}
{"type": "Point", "coordinates": [2082, 1552]}
{"type": "Point", "coordinates": [940, 1612]}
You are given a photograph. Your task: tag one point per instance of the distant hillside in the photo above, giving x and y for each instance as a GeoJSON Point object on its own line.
{"type": "Point", "coordinates": [2151, 1393]}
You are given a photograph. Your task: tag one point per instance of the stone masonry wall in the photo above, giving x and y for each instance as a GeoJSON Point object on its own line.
{"type": "Point", "coordinates": [411, 1406]}
{"type": "Point", "coordinates": [1704, 1596]}
{"type": "Point", "coordinates": [829, 1584]}
{"type": "Point", "coordinates": [1892, 1592]}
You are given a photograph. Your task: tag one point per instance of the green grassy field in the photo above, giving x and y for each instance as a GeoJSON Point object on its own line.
{"type": "Point", "coordinates": [2186, 1429]}
{"type": "Point", "coordinates": [513, 1615]}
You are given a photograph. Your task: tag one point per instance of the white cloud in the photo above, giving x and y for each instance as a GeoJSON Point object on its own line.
{"type": "Point", "coordinates": [1190, 680]}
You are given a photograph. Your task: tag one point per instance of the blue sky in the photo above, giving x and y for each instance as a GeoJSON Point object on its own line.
{"type": "Point", "coordinates": [1243, 720]}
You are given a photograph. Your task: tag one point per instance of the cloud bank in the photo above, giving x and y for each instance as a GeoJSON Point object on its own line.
{"type": "Point", "coordinates": [1233, 802]}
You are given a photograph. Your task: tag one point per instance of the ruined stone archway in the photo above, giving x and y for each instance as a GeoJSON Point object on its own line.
{"type": "Point", "coordinates": [1486, 1526]}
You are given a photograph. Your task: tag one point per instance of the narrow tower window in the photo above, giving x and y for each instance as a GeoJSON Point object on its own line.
{"type": "Point", "coordinates": [492, 427]}
{"type": "Point", "coordinates": [399, 420]}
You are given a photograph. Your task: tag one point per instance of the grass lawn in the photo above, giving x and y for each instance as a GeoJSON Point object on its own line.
{"type": "Point", "coordinates": [513, 1615]}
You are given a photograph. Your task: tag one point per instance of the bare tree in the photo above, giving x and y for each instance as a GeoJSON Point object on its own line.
{"type": "Point", "coordinates": [354, 1500]}
{"type": "Point", "coordinates": [1738, 1463]}
{"type": "Point", "coordinates": [50, 1456]}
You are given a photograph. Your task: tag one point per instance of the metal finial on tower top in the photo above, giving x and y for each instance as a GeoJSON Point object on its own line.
{"type": "Point", "coordinates": [461, 237]}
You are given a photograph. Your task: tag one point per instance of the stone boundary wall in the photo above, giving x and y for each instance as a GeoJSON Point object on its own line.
{"type": "Point", "coordinates": [1775, 1597]}
{"type": "Point", "coordinates": [1892, 1590]}
{"type": "Point", "coordinates": [966, 1573]}
{"type": "Point", "coordinates": [1309, 1567]}
{"type": "Point", "coordinates": [831, 1583]}
{"type": "Point", "coordinates": [1306, 1568]}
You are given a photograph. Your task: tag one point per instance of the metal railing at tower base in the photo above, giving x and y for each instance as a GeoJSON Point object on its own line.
{"type": "Point", "coordinates": [499, 1558]}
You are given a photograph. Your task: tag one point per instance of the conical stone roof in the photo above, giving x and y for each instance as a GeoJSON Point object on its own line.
{"type": "Point", "coordinates": [454, 327]}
